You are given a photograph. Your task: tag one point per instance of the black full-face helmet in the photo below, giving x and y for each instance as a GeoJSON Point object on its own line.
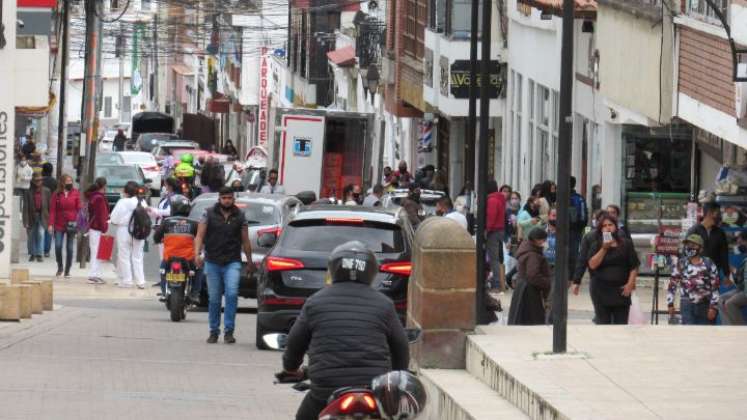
{"type": "Point", "coordinates": [180, 205]}
{"type": "Point", "coordinates": [352, 261]}
{"type": "Point", "coordinates": [400, 395]}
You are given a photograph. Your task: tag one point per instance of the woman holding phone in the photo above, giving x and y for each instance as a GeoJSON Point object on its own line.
{"type": "Point", "coordinates": [614, 268]}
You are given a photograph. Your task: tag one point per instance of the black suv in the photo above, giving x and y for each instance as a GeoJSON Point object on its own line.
{"type": "Point", "coordinates": [297, 265]}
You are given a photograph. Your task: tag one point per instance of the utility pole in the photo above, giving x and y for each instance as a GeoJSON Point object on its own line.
{"type": "Point", "coordinates": [471, 141]}
{"type": "Point", "coordinates": [91, 95]}
{"type": "Point", "coordinates": [62, 120]}
{"type": "Point", "coordinates": [155, 62]}
{"type": "Point", "coordinates": [482, 154]}
{"type": "Point", "coordinates": [565, 130]}
{"type": "Point", "coordinates": [120, 54]}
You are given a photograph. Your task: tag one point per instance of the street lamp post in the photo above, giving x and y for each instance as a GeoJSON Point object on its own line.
{"type": "Point", "coordinates": [565, 130]}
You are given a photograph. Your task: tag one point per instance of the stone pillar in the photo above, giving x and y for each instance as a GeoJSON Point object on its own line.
{"type": "Point", "coordinates": [441, 295]}
{"type": "Point", "coordinates": [47, 295]}
{"type": "Point", "coordinates": [25, 300]}
{"type": "Point", "coordinates": [10, 303]}
{"type": "Point", "coordinates": [36, 296]}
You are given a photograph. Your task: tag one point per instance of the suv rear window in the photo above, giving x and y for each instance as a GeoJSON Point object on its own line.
{"type": "Point", "coordinates": [319, 236]}
{"type": "Point", "coordinates": [257, 214]}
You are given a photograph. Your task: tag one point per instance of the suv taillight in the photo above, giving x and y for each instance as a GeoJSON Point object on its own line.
{"type": "Point", "coordinates": [402, 268]}
{"type": "Point", "coordinates": [282, 264]}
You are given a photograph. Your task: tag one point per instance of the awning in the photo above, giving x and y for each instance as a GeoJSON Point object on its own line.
{"type": "Point", "coordinates": [344, 56]}
{"type": "Point", "coordinates": [183, 69]}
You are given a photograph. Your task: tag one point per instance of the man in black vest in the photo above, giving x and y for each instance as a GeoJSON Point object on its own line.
{"type": "Point", "coordinates": [223, 231]}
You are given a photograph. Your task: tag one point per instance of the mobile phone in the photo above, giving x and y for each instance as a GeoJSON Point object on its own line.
{"type": "Point", "coordinates": [607, 236]}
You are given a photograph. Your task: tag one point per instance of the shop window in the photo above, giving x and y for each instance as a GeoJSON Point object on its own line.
{"type": "Point", "coordinates": [657, 160]}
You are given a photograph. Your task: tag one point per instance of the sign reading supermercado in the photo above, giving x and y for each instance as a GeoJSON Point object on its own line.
{"type": "Point", "coordinates": [7, 131]}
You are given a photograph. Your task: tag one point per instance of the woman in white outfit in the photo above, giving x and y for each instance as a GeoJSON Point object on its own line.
{"type": "Point", "coordinates": [129, 249]}
{"type": "Point", "coordinates": [98, 224]}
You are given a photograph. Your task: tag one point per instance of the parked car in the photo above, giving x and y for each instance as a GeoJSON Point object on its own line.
{"type": "Point", "coordinates": [266, 214]}
{"type": "Point", "coordinates": [148, 164]}
{"type": "Point", "coordinates": [148, 141]}
{"type": "Point", "coordinates": [428, 199]}
{"type": "Point", "coordinates": [117, 176]}
{"type": "Point", "coordinates": [113, 158]}
{"type": "Point", "coordinates": [296, 265]}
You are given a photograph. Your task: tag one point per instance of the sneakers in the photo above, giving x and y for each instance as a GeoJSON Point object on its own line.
{"type": "Point", "coordinates": [68, 276]}
{"type": "Point", "coordinates": [141, 286]}
{"type": "Point", "coordinates": [228, 338]}
{"type": "Point", "coordinates": [95, 280]}
{"type": "Point", "coordinates": [59, 274]}
{"type": "Point", "coordinates": [39, 258]}
{"type": "Point", "coordinates": [46, 255]}
{"type": "Point", "coordinates": [32, 258]}
{"type": "Point", "coordinates": [213, 338]}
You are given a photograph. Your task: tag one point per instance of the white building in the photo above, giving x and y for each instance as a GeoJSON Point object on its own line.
{"type": "Point", "coordinates": [112, 111]}
{"type": "Point", "coordinates": [531, 129]}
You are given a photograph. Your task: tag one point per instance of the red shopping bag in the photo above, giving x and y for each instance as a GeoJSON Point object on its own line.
{"type": "Point", "coordinates": [106, 247]}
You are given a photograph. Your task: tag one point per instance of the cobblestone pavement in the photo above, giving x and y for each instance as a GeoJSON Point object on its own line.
{"type": "Point", "coordinates": [124, 359]}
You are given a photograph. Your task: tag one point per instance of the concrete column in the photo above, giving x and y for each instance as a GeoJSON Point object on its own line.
{"type": "Point", "coordinates": [612, 156]}
{"type": "Point", "coordinates": [10, 303]}
{"type": "Point", "coordinates": [441, 296]}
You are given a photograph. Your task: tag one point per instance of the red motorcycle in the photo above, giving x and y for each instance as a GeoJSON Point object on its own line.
{"type": "Point", "coordinates": [395, 395]}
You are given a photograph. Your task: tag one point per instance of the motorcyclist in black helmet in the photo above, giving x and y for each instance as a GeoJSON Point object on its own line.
{"type": "Point", "coordinates": [177, 233]}
{"type": "Point", "coordinates": [350, 331]}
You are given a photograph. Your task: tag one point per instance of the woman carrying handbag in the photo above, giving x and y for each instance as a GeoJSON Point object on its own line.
{"type": "Point", "coordinates": [63, 213]}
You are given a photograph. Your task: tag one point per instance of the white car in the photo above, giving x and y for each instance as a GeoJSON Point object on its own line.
{"type": "Point", "coordinates": [146, 162]}
{"type": "Point", "coordinates": [107, 141]}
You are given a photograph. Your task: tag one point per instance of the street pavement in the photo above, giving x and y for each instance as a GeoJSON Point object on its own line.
{"type": "Point", "coordinates": [117, 356]}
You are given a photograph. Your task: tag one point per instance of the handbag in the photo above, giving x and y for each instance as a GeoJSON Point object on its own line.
{"type": "Point", "coordinates": [71, 228]}
{"type": "Point", "coordinates": [106, 248]}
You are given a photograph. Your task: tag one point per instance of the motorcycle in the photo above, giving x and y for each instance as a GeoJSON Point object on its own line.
{"type": "Point", "coordinates": [359, 403]}
{"type": "Point", "coordinates": [179, 276]}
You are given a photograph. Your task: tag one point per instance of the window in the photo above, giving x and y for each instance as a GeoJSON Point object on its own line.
{"type": "Point", "coordinates": [414, 31]}
{"type": "Point", "coordinates": [125, 108]}
{"type": "Point", "coordinates": [530, 132]}
{"type": "Point", "coordinates": [459, 18]}
{"type": "Point", "coordinates": [543, 155]}
{"type": "Point", "coordinates": [108, 107]}
{"type": "Point", "coordinates": [701, 10]}
{"type": "Point", "coordinates": [437, 15]}
{"type": "Point", "coordinates": [516, 102]}
{"type": "Point", "coordinates": [25, 42]}
{"type": "Point", "coordinates": [317, 236]}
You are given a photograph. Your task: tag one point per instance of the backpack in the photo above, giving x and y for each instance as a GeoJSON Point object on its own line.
{"type": "Point", "coordinates": [83, 219]}
{"type": "Point", "coordinates": [578, 211]}
{"type": "Point", "coordinates": [140, 223]}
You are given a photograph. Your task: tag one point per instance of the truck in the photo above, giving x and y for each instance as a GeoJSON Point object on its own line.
{"type": "Point", "coordinates": [323, 150]}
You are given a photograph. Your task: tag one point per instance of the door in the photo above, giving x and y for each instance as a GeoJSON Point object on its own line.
{"type": "Point", "coordinates": [301, 152]}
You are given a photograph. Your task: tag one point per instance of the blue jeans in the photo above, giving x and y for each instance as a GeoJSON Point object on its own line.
{"type": "Point", "coordinates": [35, 239]}
{"type": "Point", "coordinates": [222, 279]}
{"type": "Point", "coordinates": [69, 245]}
{"type": "Point", "coordinates": [47, 242]}
{"type": "Point", "coordinates": [694, 313]}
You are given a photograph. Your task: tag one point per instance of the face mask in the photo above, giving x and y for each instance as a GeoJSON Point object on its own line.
{"type": "Point", "coordinates": [356, 197]}
{"type": "Point", "coordinates": [24, 163]}
{"type": "Point", "coordinates": [742, 249]}
{"type": "Point", "coordinates": [690, 252]}
{"type": "Point", "coordinates": [69, 187]}
{"type": "Point", "coordinates": [415, 197]}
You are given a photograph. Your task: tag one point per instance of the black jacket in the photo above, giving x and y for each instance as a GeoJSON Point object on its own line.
{"type": "Point", "coordinates": [351, 334]}
{"type": "Point", "coordinates": [716, 246]}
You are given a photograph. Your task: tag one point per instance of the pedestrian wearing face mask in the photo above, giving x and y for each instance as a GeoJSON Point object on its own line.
{"type": "Point", "coordinates": [613, 265]}
{"type": "Point", "coordinates": [63, 213]}
{"type": "Point", "coordinates": [697, 278]}
{"type": "Point", "coordinates": [534, 281]}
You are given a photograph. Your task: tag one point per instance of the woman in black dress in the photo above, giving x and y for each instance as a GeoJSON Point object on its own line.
{"type": "Point", "coordinates": [614, 268]}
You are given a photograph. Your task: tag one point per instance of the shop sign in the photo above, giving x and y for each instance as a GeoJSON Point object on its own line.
{"type": "Point", "coordinates": [263, 99]}
{"type": "Point", "coordinates": [7, 132]}
{"type": "Point", "coordinates": [460, 79]}
{"type": "Point", "coordinates": [668, 241]}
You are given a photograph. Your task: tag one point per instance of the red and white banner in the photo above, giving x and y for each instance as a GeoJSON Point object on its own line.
{"type": "Point", "coordinates": [264, 99]}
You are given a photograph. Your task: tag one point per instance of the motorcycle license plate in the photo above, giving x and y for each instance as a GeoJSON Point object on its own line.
{"type": "Point", "coordinates": [176, 277]}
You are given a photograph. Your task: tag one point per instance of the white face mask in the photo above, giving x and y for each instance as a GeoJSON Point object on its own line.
{"type": "Point", "coordinates": [24, 163]}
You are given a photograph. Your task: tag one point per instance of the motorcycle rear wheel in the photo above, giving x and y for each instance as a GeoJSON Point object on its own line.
{"type": "Point", "coordinates": [177, 308]}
